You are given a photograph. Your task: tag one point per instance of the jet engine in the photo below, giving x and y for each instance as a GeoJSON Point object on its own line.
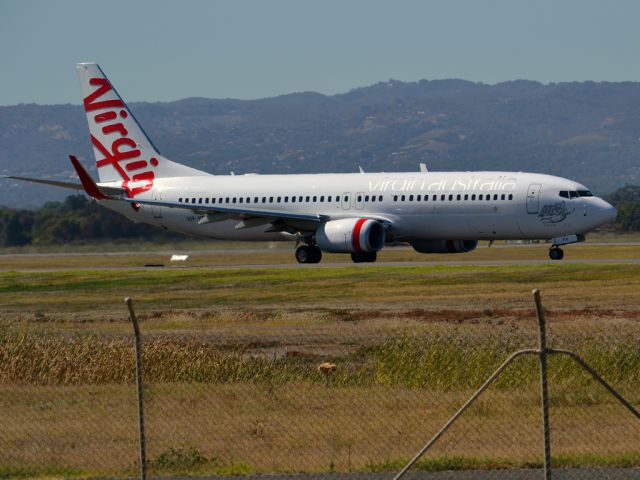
{"type": "Point", "coordinates": [444, 246]}
{"type": "Point", "coordinates": [350, 235]}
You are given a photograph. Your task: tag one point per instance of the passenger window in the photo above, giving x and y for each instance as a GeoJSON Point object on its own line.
{"type": "Point", "coordinates": [308, 198]}
{"type": "Point", "coordinates": [293, 199]}
{"type": "Point", "coordinates": [473, 197]}
{"type": "Point", "coordinates": [495, 196]}
{"type": "Point", "coordinates": [480, 197]}
{"type": "Point", "coordinates": [435, 197]}
{"type": "Point", "coordinates": [240, 200]}
{"type": "Point", "coordinates": [213, 200]}
{"type": "Point", "coordinates": [458, 197]}
{"type": "Point", "coordinates": [488, 197]}
{"type": "Point", "coordinates": [359, 198]}
{"type": "Point", "coordinates": [395, 198]}
{"type": "Point", "coordinates": [418, 198]}
{"type": "Point", "coordinates": [264, 199]}
{"type": "Point", "coordinates": [321, 198]}
{"type": "Point", "coordinates": [286, 199]}
{"type": "Point", "coordinates": [426, 198]}
{"type": "Point", "coordinates": [234, 199]}
{"type": "Point", "coordinates": [510, 196]}
{"type": "Point", "coordinates": [315, 198]}
{"type": "Point", "coordinates": [206, 200]}
{"type": "Point", "coordinates": [329, 198]}
{"type": "Point", "coordinates": [270, 199]}
{"type": "Point", "coordinates": [346, 198]}
{"type": "Point", "coordinates": [180, 200]}
{"type": "Point", "coordinates": [450, 197]}
{"type": "Point", "coordinates": [443, 197]}
{"type": "Point", "coordinates": [373, 198]}
{"type": "Point", "coordinates": [411, 198]}
{"type": "Point", "coordinates": [255, 199]}
{"type": "Point", "coordinates": [502, 197]}
{"type": "Point", "coordinates": [403, 198]}
{"type": "Point", "coordinates": [279, 198]}
{"type": "Point", "coordinates": [380, 198]}
{"type": "Point", "coordinates": [466, 196]}
{"type": "Point", "coordinates": [248, 200]}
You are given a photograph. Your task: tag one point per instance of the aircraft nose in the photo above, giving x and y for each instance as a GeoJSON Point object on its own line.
{"type": "Point", "coordinates": [608, 212]}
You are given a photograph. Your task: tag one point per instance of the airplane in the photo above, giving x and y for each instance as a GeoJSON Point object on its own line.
{"type": "Point", "coordinates": [351, 213]}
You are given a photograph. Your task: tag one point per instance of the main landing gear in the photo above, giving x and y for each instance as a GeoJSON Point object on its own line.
{"type": "Point", "coordinates": [364, 257]}
{"type": "Point", "coordinates": [556, 253]}
{"type": "Point", "coordinates": [308, 254]}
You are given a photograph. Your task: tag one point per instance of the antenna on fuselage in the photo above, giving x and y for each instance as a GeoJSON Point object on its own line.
{"type": "Point", "coordinates": [360, 168]}
{"type": "Point", "coordinates": [423, 168]}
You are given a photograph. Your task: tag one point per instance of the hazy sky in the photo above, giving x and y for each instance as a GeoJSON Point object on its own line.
{"type": "Point", "coordinates": [167, 50]}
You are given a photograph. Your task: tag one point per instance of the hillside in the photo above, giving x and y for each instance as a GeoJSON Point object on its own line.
{"type": "Point", "coordinates": [586, 131]}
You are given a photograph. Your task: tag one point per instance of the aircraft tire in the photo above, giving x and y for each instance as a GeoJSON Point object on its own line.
{"type": "Point", "coordinates": [556, 253]}
{"type": "Point", "coordinates": [308, 254]}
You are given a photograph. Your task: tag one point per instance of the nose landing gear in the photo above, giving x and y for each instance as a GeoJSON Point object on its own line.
{"type": "Point", "coordinates": [556, 253]}
{"type": "Point", "coordinates": [308, 254]}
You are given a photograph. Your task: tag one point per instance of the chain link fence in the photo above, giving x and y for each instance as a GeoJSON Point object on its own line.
{"type": "Point", "coordinates": [333, 393]}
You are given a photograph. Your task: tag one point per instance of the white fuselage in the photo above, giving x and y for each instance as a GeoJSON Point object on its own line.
{"type": "Point", "coordinates": [420, 205]}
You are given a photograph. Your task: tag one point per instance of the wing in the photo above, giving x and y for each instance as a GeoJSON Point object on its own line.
{"type": "Point", "coordinates": [280, 221]}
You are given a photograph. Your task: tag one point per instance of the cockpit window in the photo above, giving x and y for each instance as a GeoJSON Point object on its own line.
{"type": "Point", "coordinates": [574, 194]}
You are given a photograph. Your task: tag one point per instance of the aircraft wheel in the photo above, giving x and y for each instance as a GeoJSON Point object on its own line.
{"type": "Point", "coordinates": [308, 254]}
{"type": "Point", "coordinates": [362, 257]}
{"type": "Point", "coordinates": [556, 253]}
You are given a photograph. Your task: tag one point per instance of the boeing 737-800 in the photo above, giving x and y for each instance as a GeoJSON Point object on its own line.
{"type": "Point", "coordinates": [357, 213]}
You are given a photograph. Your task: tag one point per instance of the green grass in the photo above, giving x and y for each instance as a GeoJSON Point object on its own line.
{"type": "Point", "coordinates": [231, 360]}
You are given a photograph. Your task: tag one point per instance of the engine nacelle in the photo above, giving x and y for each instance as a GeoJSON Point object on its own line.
{"type": "Point", "coordinates": [350, 235]}
{"type": "Point", "coordinates": [444, 246]}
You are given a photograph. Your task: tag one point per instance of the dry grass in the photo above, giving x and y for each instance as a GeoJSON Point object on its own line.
{"type": "Point", "coordinates": [231, 361]}
{"type": "Point", "coordinates": [294, 427]}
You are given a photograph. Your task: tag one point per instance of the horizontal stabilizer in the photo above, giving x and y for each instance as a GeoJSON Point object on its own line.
{"type": "Point", "coordinates": [87, 184]}
{"type": "Point", "coordinates": [54, 183]}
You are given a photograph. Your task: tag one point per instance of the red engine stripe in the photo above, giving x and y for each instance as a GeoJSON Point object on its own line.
{"type": "Point", "coordinates": [355, 236]}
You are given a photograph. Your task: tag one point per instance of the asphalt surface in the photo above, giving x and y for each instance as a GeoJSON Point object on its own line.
{"type": "Point", "coordinates": [257, 266]}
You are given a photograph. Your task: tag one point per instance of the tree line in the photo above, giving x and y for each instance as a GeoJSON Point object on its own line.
{"type": "Point", "coordinates": [75, 219]}
{"type": "Point", "coordinates": [78, 219]}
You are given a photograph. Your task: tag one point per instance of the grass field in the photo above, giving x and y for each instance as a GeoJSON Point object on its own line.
{"type": "Point", "coordinates": [231, 355]}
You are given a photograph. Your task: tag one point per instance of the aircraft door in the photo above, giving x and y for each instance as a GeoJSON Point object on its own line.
{"type": "Point", "coordinates": [359, 200]}
{"type": "Point", "coordinates": [533, 198]}
{"type": "Point", "coordinates": [346, 201]}
{"type": "Point", "coordinates": [156, 211]}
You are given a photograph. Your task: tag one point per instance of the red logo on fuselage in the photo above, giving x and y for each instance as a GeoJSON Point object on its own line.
{"type": "Point", "coordinates": [123, 154]}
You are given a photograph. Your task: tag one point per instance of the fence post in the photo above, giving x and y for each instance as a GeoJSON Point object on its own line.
{"type": "Point", "coordinates": [136, 332]}
{"type": "Point", "coordinates": [544, 385]}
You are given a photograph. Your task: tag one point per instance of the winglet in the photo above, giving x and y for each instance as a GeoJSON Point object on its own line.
{"type": "Point", "coordinates": [87, 182]}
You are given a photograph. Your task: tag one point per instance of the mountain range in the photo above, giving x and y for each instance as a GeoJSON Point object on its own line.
{"type": "Point", "coordinates": [585, 131]}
